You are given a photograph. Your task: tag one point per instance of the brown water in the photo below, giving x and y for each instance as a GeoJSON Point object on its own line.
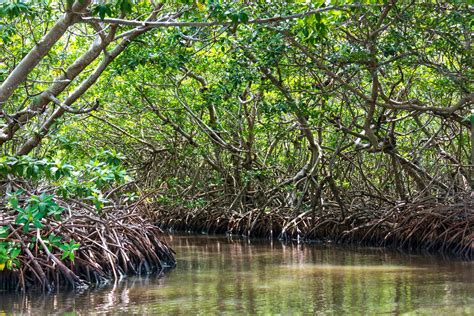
{"type": "Point", "coordinates": [216, 275]}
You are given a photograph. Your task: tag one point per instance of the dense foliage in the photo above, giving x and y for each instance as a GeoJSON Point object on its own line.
{"type": "Point", "coordinates": [315, 107]}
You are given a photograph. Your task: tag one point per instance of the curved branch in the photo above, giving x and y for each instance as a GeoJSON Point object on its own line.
{"type": "Point", "coordinates": [275, 19]}
{"type": "Point", "coordinates": [69, 109]}
{"type": "Point", "coordinates": [36, 54]}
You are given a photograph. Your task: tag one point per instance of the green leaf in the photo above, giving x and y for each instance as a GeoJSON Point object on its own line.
{"type": "Point", "coordinates": [4, 231]}
{"type": "Point", "coordinates": [125, 6]}
{"type": "Point", "coordinates": [13, 202]}
{"type": "Point", "coordinates": [37, 224]}
{"type": "Point", "coordinates": [14, 253]}
{"type": "Point", "coordinates": [102, 10]}
{"type": "Point", "coordinates": [243, 17]}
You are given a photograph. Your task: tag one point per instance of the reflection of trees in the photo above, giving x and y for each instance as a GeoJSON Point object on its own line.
{"type": "Point", "coordinates": [260, 277]}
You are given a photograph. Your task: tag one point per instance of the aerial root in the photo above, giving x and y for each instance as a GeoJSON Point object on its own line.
{"type": "Point", "coordinates": [112, 245]}
{"type": "Point", "coordinates": [432, 227]}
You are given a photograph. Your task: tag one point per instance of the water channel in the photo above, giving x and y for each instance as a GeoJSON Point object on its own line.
{"type": "Point", "coordinates": [219, 275]}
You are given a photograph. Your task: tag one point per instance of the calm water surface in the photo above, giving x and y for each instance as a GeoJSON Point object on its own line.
{"type": "Point", "coordinates": [217, 275]}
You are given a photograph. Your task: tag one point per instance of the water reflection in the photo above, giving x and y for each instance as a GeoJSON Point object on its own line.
{"type": "Point", "coordinates": [218, 275]}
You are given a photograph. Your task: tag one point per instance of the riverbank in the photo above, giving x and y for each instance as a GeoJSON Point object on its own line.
{"type": "Point", "coordinates": [430, 227]}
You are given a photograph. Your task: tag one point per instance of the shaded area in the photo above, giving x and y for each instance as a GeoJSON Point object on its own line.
{"type": "Point", "coordinates": [218, 275]}
{"type": "Point", "coordinates": [426, 226]}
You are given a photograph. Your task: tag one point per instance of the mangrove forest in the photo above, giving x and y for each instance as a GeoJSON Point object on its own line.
{"type": "Point", "coordinates": [343, 125]}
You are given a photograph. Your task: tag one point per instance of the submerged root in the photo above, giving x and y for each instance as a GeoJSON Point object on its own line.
{"type": "Point", "coordinates": [431, 227]}
{"type": "Point", "coordinates": [112, 245]}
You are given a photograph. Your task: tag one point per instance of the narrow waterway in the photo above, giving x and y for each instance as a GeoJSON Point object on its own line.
{"type": "Point", "coordinates": [217, 275]}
